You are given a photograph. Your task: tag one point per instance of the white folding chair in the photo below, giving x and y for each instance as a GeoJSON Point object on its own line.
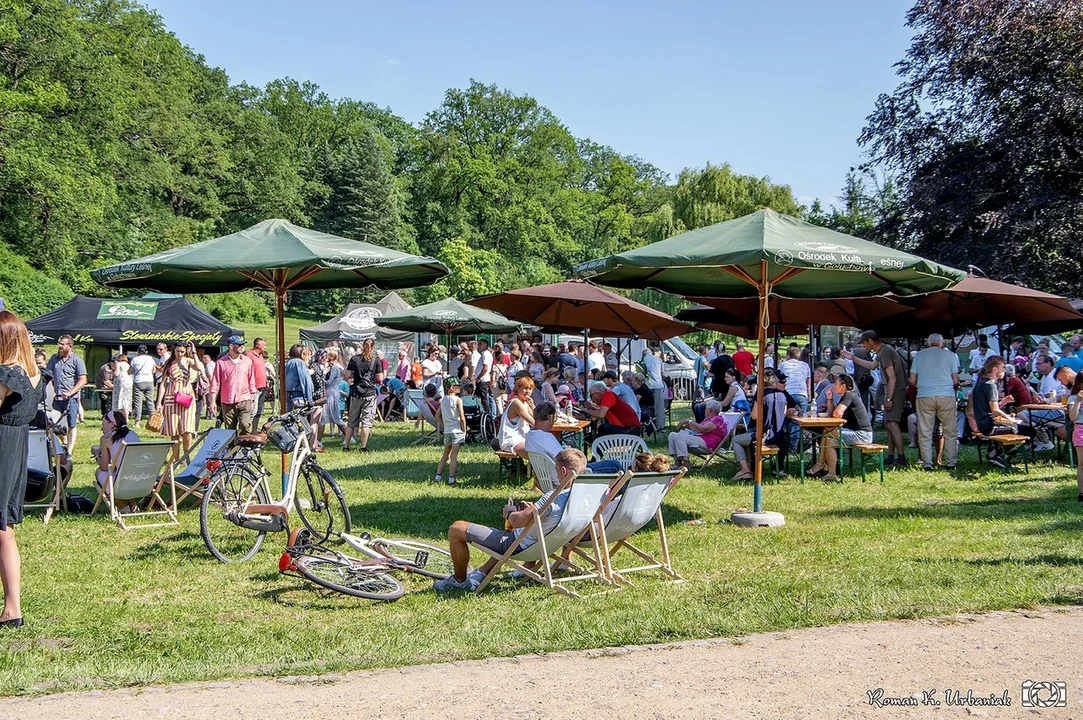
{"type": "Point", "coordinates": [623, 448]}
{"type": "Point", "coordinates": [41, 459]}
{"type": "Point", "coordinates": [414, 399]}
{"type": "Point", "coordinates": [544, 469]}
{"type": "Point", "coordinates": [624, 513]}
{"type": "Point", "coordinates": [585, 495]}
{"type": "Point", "coordinates": [428, 428]}
{"type": "Point", "coordinates": [214, 444]}
{"type": "Point", "coordinates": [732, 419]}
{"type": "Point", "coordinates": [141, 470]}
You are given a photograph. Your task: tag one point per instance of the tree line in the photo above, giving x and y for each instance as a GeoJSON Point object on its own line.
{"type": "Point", "coordinates": [116, 140]}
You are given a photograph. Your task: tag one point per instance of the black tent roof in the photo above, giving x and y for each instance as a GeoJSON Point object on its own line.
{"type": "Point", "coordinates": [130, 321]}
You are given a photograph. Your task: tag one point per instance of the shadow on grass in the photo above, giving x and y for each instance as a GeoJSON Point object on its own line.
{"type": "Point", "coordinates": [1043, 559]}
{"type": "Point", "coordinates": [182, 545]}
{"type": "Point", "coordinates": [1019, 508]}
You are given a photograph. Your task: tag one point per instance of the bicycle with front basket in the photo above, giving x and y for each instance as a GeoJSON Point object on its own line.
{"type": "Point", "coordinates": [237, 512]}
{"type": "Point", "coordinates": [368, 577]}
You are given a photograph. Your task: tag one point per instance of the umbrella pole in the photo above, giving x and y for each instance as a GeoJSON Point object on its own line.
{"type": "Point", "coordinates": [280, 321]}
{"type": "Point", "coordinates": [762, 322]}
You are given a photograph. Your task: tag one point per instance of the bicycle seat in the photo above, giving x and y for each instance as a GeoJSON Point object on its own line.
{"type": "Point", "coordinates": [254, 440]}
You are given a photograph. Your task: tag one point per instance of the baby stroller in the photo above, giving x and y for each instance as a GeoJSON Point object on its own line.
{"type": "Point", "coordinates": [480, 425]}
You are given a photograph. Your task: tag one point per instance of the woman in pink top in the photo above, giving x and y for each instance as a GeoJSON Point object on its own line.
{"type": "Point", "coordinates": [701, 436]}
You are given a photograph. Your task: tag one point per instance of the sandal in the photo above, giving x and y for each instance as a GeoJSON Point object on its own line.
{"type": "Point", "coordinates": [742, 476]}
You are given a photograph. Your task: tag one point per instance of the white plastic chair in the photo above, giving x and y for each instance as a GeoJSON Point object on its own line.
{"type": "Point", "coordinates": [622, 448]}
{"type": "Point", "coordinates": [545, 470]}
{"type": "Point", "coordinates": [585, 496]}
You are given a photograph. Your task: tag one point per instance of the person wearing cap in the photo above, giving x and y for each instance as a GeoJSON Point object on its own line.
{"type": "Point", "coordinates": [892, 393]}
{"type": "Point", "coordinates": [143, 388]}
{"type": "Point", "coordinates": [617, 417]}
{"type": "Point", "coordinates": [451, 426]}
{"type": "Point", "coordinates": [233, 383]}
{"type": "Point", "coordinates": [935, 374]}
{"type": "Point", "coordinates": [624, 392]}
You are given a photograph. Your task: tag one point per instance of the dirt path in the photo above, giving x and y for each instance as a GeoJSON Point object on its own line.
{"type": "Point", "coordinates": [815, 673]}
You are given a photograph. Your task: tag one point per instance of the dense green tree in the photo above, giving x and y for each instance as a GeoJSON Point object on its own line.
{"type": "Point", "coordinates": [716, 193]}
{"type": "Point", "coordinates": [985, 132]}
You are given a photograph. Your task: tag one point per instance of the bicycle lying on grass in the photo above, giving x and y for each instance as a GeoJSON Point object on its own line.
{"type": "Point", "coordinates": [237, 512]}
{"type": "Point", "coordinates": [365, 578]}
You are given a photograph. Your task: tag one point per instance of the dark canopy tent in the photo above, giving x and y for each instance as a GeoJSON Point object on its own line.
{"type": "Point", "coordinates": [358, 322]}
{"type": "Point", "coordinates": [130, 322]}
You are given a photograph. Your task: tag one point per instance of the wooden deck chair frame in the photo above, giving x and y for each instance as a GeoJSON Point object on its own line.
{"type": "Point", "coordinates": [732, 419]}
{"type": "Point", "coordinates": [426, 417]}
{"type": "Point", "coordinates": [546, 550]}
{"type": "Point", "coordinates": [152, 461]}
{"type": "Point", "coordinates": [212, 444]}
{"type": "Point", "coordinates": [622, 448]}
{"type": "Point", "coordinates": [629, 517]}
{"type": "Point", "coordinates": [47, 441]}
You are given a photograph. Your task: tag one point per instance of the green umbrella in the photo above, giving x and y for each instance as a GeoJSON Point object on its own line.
{"type": "Point", "coordinates": [448, 316]}
{"type": "Point", "coordinates": [765, 254]}
{"type": "Point", "coordinates": [278, 256]}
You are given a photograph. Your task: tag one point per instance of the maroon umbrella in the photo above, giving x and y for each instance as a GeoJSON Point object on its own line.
{"type": "Point", "coordinates": [725, 321]}
{"type": "Point", "coordinates": [978, 302]}
{"type": "Point", "coordinates": [577, 306]}
{"type": "Point", "coordinates": [791, 316]}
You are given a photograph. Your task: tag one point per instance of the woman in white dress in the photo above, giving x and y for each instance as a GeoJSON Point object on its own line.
{"type": "Point", "coordinates": [518, 418]}
{"type": "Point", "coordinates": [122, 385]}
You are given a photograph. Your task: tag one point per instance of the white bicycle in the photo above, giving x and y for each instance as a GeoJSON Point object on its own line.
{"type": "Point", "coordinates": [237, 512]}
{"type": "Point", "coordinates": [369, 577]}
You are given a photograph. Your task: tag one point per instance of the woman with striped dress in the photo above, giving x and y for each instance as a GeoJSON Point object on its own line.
{"type": "Point", "coordinates": [179, 375]}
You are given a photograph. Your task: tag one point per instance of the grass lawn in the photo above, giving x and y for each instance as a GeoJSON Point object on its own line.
{"type": "Point", "coordinates": [108, 608]}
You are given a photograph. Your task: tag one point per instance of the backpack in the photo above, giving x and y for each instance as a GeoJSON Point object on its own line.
{"type": "Point", "coordinates": [363, 385]}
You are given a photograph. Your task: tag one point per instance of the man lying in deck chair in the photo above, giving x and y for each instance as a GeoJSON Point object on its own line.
{"type": "Point", "coordinates": [569, 462]}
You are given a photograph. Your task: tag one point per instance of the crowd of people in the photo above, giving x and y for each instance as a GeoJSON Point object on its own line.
{"type": "Point", "coordinates": [926, 393]}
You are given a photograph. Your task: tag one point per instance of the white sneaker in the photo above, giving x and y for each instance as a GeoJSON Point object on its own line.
{"type": "Point", "coordinates": [1044, 447]}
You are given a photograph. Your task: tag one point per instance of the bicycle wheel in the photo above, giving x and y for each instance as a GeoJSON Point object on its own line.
{"type": "Point", "coordinates": [363, 581]}
{"type": "Point", "coordinates": [419, 557]}
{"type": "Point", "coordinates": [231, 488]}
{"type": "Point", "coordinates": [327, 509]}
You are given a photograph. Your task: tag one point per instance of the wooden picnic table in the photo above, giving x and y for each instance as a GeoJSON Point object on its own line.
{"type": "Point", "coordinates": [575, 427]}
{"type": "Point", "coordinates": [818, 426]}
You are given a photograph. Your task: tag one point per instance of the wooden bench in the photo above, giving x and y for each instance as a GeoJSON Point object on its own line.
{"type": "Point", "coordinates": [1009, 444]}
{"type": "Point", "coordinates": [511, 460]}
{"type": "Point", "coordinates": [868, 450]}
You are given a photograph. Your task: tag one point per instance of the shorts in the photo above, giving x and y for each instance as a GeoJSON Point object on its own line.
{"type": "Point", "coordinates": [496, 540]}
{"type": "Point", "coordinates": [69, 407]}
{"type": "Point", "coordinates": [362, 411]}
{"type": "Point", "coordinates": [853, 437]}
{"type": "Point", "coordinates": [1077, 436]}
{"type": "Point", "coordinates": [455, 437]}
{"type": "Point", "coordinates": [897, 402]}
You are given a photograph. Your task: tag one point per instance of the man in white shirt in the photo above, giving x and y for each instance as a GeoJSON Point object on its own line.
{"type": "Point", "coordinates": [595, 361]}
{"type": "Point", "coordinates": [797, 377]}
{"type": "Point", "coordinates": [653, 366]}
{"type": "Point", "coordinates": [483, 375]}
{"type": "Point", "coordinates": [1049, 383]}
{"type": "Point", "coordinates": [611, 361]}
{"type": "Point", "coordinates": [142, 370]}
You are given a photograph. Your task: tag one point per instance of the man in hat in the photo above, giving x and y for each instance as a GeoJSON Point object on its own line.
{"type": "Point", "coordinates": [233, 383]}
{"type": "Point", "coordinates": [892, 391]}
{"type": "Point", "coordinates": [935, 374]}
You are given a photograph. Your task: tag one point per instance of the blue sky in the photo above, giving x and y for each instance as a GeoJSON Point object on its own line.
{"type": "Point", "coordinates": [778, 88]}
